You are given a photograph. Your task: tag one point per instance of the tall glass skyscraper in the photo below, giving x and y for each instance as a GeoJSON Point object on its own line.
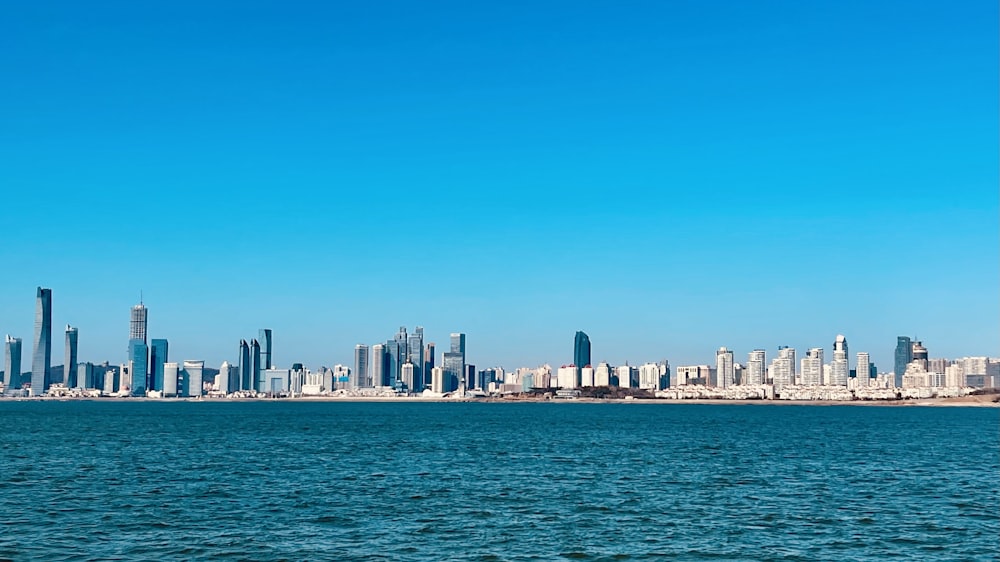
{"type": "Point", "coordinates": [904, 355]}
{"type": "Point", "coordinates": [361, 366]}
{"type": "Point", "coordinates": [138, 356]}
{"type": "Point", "coordinates": [428, 363]}
{"type": "Point", "coordinates": [454, 370]}
{"type": "Point", "coordinates": [458, 343]}
{"type": "Point", "coordinates": [264, 337]}
{"type": "Point", "coordinates": [69, 365]}
{"type": "Point", "coordinates": [246, 375]}
{"type": "Point", "coordinates": [581, 351]}
{"type": "Point", "coordinates": [415, 355]}
{"type": "Point", "coordinates": [41, 362]}
{"type": "Point", "coordinates": [12, 363]}
{"type": "Point", "coordinates": [255, 367]}
{"type": "Point", "coordinates": [157, 358]}
{"type": "Point", "coordinates": [137, 323]}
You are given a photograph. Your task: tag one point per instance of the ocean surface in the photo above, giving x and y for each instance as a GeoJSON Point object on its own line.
{"type": "Point", "coordinates": [479, 481]}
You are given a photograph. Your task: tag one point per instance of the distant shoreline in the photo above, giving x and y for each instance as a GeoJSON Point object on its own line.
{"type": "Point", "coordinates": [973, 401]}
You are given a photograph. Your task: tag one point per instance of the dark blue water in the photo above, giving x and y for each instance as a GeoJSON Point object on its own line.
{"type": "Point", "coordinates": [390, 481]}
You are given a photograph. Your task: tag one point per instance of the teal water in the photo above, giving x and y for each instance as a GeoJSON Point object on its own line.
{"type": "Point", "coordinates": [468, 481]}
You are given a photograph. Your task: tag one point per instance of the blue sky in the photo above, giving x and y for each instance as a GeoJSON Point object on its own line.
{"type": "Point", "coordinates": [669, 177]}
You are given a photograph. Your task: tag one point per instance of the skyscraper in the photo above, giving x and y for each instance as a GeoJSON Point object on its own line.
{"type": "Point", "coordinates": [454, 370]}
{"type": "Point", "coordinates": [840, 368]}
{"type": "Point", "coordinates": [863, 369]}
{"type": "Point", "coordinates": [415, 355]}
{"type": "Point", "coordinates": [255, 367]}
{"type": "Point", "coordinates": [138, 356]}
{"type": "Point", "coordinates": [904, 355]}
{"type": "Point", "coordinates": [264, 337]}
{"type": "Point", "coordinates": [725, 372]}
{"type": "Point", "coordinates": [12, 363]}
{"type": "Point", "coordinates": [458, 343]}
{"type": "Point", "coordinates": [137, 324]}
{"type": "Point", "coordinates": [756, 373]}
{"type": "Point", "coordinates": [428, 363]}
{"type": "Point", "coordinates": [581, 351]}
{"type": "Point", "coordinates": [361, 366]}
{"type": "Point", "coordinates": [920, 354]}
{"type": "Point", "coordinates": [69, 364]}
{"type": "Point", "coordinates": [379, 377]}
{"type": "Point", "coordinates": [158, 356]}
{"type": "Point", "coordinates": [783, 368]}
{"type": "Point", "coordinates": [246, 375]}
{"type": "Point", "coordinates": [812, 367]}
{"type": "Point", "coordinates": [41, 362]}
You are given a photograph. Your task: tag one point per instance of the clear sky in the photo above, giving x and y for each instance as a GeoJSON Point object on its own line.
{"type": "Point", "coordinates": [669, 177]}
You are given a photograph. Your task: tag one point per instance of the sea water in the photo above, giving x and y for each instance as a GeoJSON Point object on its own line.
{"type": "Point", "coordinates": [496, 481]}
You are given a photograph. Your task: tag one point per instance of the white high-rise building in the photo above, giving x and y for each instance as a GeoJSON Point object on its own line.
{"type": "Point", "coordinates": [783, 368]}
{"type": "Point", "coordinates": [587, 377]}
{"type": "Point", "coordinates": [863, 368]}
{"type": "Point", "coordinates": [649, 376]}
{"type": "Point", "coordinates": [755, 374]}
{"type": "Point", "coordinates": [602, 375]}
{"type": "Point", "coordinates": [437, 380]}
{"type": "Point", "coordinates": [840, 369]}
{"type": "Point", "coordinates": [625, 376]}
{"type": "Point", "coordinates": [170, 379]}
{"type": "Point", "coordinates": [954, 375]}
{"type": "Point", "coordinates": [566, 376]}
{"type": "Point", "coordinates": [812, 367]}
{"type": "Point", "coordinates": [725, 371]}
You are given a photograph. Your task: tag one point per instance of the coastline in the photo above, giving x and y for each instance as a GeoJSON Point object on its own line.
{"type": "Point", "coordinates": [971, 401]}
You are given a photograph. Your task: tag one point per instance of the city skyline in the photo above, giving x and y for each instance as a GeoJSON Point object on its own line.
{"type": "Point", "coordinates": [669, 178]}
{"type": "Point", "coordinates": [147, 362]}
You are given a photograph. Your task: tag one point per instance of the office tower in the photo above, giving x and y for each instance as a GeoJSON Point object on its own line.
{"type": "Point", "coordinates": [392, 364]}
{"type": "Point", "coordinates": [428, 363]}
{"type": "Point", "coordinates": [170, 375]}
{"type": "Point", "coordinates": [862, 377]}
{"type": "Point", "coordinates": [812, 367]}
{"type": "Point", "coordinates": [840, 368]}
{"type": "Point", "coordinates": [12, 363]}
{"type": "Point", "coordinates": [587, 377]}
{"type": "Point", "coordinates": [454, 369]}
{"type": "Point", "coordinates": [224, 378]}
{"type": "Point", "coordinates": [157, 357]}
{"type": "Point", "coordinates": [920, 354]}
{"type": "Point", "coordinates": [378, 365]}
{"type": "Point", "coordinates": [85, 375]}
{"type": "Point", "coordinates": [137, 324]}
{"type": "Point", "coordinates": [41, 362]}
{"type": "Point", "coordinates": [755, 373]}
{"type": "Point", "coordinates": [783, 368]}
{"type": "Point", "coordinates": [138, 356]}
{"type": "Point", "coordinates": [581, 350]}
{"type": "Point", "coordinates": [256, 367]}
{"type": "Point", "coordinates": [69, 364]}
{"type": "Point", "coordinates": [469, 380]}
{"type": "Point", "coordinates": [904, 355]}
{"type": "Point", "coordinates": [725, 371]}
{"type": "Point", "coordinates": [264, 337]}
{"type": "Point", "coordinates": [415, 355]}
{"type": "Point", "coordinates": [361, 366]}
{"type": "Point", "coordinates": [458, 343]}
{"type": "Point", "coordinates": [246, 375]}
{"type": "Point", "coordinates": [193, 371]}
